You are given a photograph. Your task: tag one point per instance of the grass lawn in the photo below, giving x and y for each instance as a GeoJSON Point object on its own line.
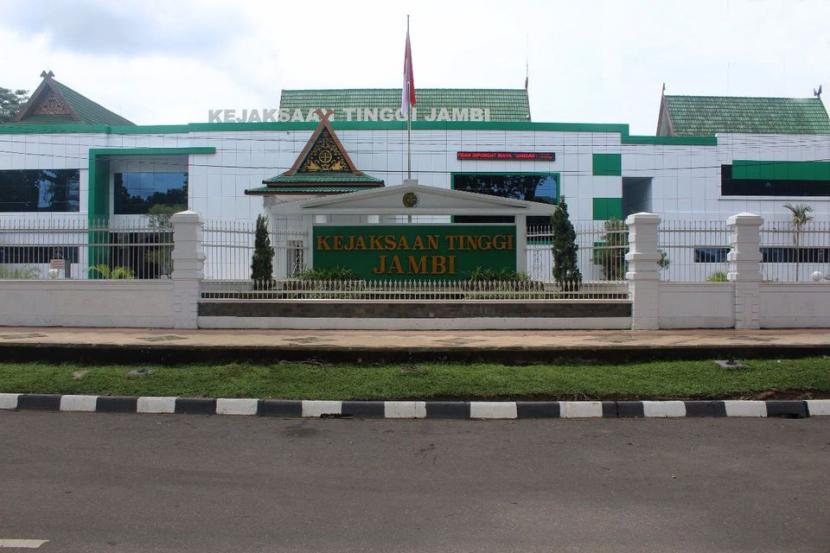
{"type": "Point", "coordinates": [809, 377]}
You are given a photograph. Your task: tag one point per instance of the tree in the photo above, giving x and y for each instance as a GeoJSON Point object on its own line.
{"type": "Point", "coordinates": [10, 103]}
{"type": "Point", "coordinates": [262, 264]}
{"type": "Point", "coordinates": [800, 216]}
{"type": "Point", "coordinates": [609, 254]}
{"type": "Point", "coordinates": [565, 268]}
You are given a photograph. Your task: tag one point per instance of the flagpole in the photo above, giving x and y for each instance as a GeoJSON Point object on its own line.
{"type": "Point", "coordinates": [408, 125]}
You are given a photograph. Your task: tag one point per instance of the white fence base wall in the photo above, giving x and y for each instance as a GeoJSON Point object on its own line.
{"type": "Point", "coordinates": [472, 323]}
{"type": "Point", "coordinates": [697, 305]}
{"type": "Point", "coordinates": [141, 304]}
{"type": "Point", "coordinates": [795, 305]}
{"type": "Point", "coordinates": [102, 303]}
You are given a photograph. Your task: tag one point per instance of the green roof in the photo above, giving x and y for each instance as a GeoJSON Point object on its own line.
{"type": "Point", "coordinates": [708, 115]}
{"type": "Point", "coordinates": [87, 111]}
{"type": "Point", "coordinates": [305, 189]}
{"type": "Point", "coordinates": [504, 104]}
{"type": "Point", "coordinates": [316, 183]}
{"type": "Point", "coordinates": [90, 112]}
{"type": "Point", "coordinates": [322, 177]}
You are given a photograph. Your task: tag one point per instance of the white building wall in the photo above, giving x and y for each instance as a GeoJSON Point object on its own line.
{"type": "Point", "coordinates": [768, 147]}
{"type": "Point", "coordinates": [685, 179]}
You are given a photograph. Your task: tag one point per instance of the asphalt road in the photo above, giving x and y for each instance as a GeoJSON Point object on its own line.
{"type": "Point", "coordinates": [128, 483]}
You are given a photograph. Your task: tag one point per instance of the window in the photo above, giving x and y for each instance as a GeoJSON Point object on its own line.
{"type": "Point", "coordinates": [137, 193]}
{"type": "Point", "coordinates": [56, 190]}
{"type": "Point", "coordinates": [529, 187]}
{"type": "Point", "coordinates": [37, 254]}
{"type": "Point", "coordinates": [769, 254]}
{"type": "Point", "coordinates": [770, 187]}
{"type": "Point", "coordinates": [788, 255]}
{"type": "Point", "coordinates": [711, 254]}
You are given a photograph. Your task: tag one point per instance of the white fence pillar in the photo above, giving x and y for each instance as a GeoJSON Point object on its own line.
{"type": "Point", "coordinates": [188, 268]}
{"type": "Point", "coordinates": [745, 268]}
{"type": "Point", "coordinates": [521, 243]}
{"type": "Point", "coordinates": [643, 274]}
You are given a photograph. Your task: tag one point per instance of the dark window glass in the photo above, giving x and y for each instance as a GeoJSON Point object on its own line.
{"type": "Point", "coordinates": [55, 190]}
{"type": "Point", "coordinates": [532, 188]}
{"type": "Point", "coordinates": [136, 193]}
{"type": "Point", "coordinates": [768, 255]}
{"type": "Point", "coordinates": [762, 187]}
{"type": "Point", "coordinates": [788, 255]}
{"type": "Point", "coordinates": [37, 254]}
{"type": "Point", "coordinates": [711, 255]}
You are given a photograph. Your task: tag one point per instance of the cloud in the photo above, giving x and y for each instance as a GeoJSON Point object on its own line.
{"type": "Point", "coordinates": [132, 29]}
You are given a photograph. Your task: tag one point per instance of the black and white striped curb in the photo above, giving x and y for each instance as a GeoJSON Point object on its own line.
{"type": "Point", "coordinates": [417, 409]}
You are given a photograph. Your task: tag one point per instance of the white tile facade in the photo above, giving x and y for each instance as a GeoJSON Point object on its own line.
{"type": "Point", "coordinates": [685, 179]}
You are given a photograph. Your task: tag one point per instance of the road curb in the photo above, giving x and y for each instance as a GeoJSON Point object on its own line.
{"type": "Point", "coordinates": [169, 354]}
{"type": "Point", "coordinates": [476, 410]}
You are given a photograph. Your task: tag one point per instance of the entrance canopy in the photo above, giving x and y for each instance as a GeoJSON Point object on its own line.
{"type": "Point", "coordinates": [376, 233]}
{"type": "Point", "coordinates": [413, 199]}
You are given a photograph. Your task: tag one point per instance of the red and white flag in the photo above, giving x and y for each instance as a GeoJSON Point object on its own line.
{"type": "Point", "coordinates": [408, 90]}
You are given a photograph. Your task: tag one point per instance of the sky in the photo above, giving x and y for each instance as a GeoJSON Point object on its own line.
{"type": "Point", "coordinates": [167, 62]}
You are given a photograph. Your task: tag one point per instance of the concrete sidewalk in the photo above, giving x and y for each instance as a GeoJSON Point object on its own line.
{"type": "Point", "coordinates": [175, 345]}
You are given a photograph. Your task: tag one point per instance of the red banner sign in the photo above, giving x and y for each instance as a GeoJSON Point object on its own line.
{"type": "Point", "coordinates": [507, 156]}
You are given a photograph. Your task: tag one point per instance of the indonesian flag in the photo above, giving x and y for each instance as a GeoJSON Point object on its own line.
{"type": "Point", "coordinates": [408, 90]}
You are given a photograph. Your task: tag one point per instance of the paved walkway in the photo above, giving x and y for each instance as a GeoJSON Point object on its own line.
{"type": "Point", "coordinates": [505, 345]}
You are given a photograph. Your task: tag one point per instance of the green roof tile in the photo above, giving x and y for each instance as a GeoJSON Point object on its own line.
{"type": "Point", "coordinates": [504, 104]}
{"type": "Point", "coordinates": [708, 115]}
{"type": "Point", "coordinates": [89, 112]}
{"type": "Point", "coordinates": [305, 189]}
{"type": "Point", "coordinates": [322, 177]}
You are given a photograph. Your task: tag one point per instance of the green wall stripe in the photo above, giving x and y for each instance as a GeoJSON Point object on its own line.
{"type": "Point", "coordinates": [671, 140]}
{"type": "Point", "coordinates": [151, 151]}
{"type": "Point", "coordinates": [607, 208]}
{"type": "Point", "coordinates": [780, 170]}
{"type": "Point", "coordinates": [620, 128]}
{"type": "Point", "coordinates": [607, 165]}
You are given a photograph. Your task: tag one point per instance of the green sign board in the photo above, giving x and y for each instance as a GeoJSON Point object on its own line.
{"type": "Point", "coordinates": [415, 252]}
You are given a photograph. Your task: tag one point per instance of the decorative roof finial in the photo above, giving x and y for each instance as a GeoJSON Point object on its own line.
{"type": "Point", "coordinates": [47, 74]}
{"type": "Point", "coordinates": [323, 114]}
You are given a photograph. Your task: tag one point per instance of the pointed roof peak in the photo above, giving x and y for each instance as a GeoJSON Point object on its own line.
{"type": "Point", "coordinates": [55, 103]}
{"type": "Point", "coordinates": [324, 152]}
{"type": "Point", "coordinates": [323, 167]}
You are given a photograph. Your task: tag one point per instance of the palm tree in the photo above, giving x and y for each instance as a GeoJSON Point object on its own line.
{"type": "Point", "coordinates": [800, 216]}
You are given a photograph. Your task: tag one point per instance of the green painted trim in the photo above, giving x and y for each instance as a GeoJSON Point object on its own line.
{"type": "Point", "coordinates": [98, 190]}
{"type": "Point", "coordinates": [314, 189]}
{"type": "Point", "coordinates": [98, 193]}
{"type": "Point", "coordinates": [151, 151]}
{"type": "Point", "coordinates": [97, 211]}
{"type": "Point", "coordinates": [621, 128]}
{"type": "Point", "coordinates": [607, 208]}
{"type": "Point", "coordinates": [608, 165]}
{"type": "Point", "coordinates": [52, 129]}
{"type": "Point", "coordinates": [743, 169]}
{"type": "Point", "coordinates": [671, 140]}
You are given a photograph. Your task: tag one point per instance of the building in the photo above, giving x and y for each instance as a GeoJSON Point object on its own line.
{"type": "Point", "coordinates": [65, 156]}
